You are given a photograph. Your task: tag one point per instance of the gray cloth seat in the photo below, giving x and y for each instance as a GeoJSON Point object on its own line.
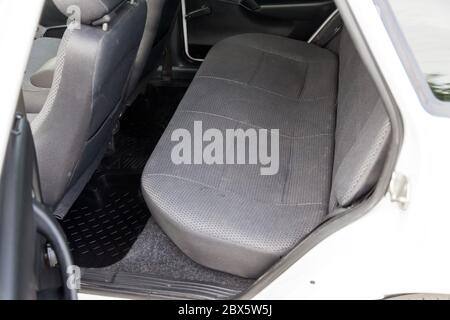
{"type": "Point", "coordinates": [43, 50]}
{"type": "Point", "coordinates": [160, 14]}
{"type": "Point", "coordinates": [231, 218]}
{"type": "Point", "coordinates": [92, 67]}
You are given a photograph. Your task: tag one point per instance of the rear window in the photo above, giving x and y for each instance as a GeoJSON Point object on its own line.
{"type": "Point", "coordinates": [426, 26]}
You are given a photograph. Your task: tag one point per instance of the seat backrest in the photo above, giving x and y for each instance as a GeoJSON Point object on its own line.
{"type": "Point", "coordinates": [160, 15]}
{"type": "Point", "coordinates": [363, 130]}
{"type": "Point", "coordinates": [168, 16]}
{"type": "Point", "coordinates": [93, 66]}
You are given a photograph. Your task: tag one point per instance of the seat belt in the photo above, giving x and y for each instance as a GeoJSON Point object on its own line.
{"type": "Point", "coordinates": [328, 30]}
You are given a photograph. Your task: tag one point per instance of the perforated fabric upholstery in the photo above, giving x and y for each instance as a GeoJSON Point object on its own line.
{"type": "Point", "coordinates": [76, 122]}
{"type": "Point", "coordinates": [362, 133]}
{"type": "Point", "coordinates": [161, 15]}
{"type": "Point", "coordinates": [154, 11]}
{"type": "Point", "coordinates": [229, 217]}
{"type": "Point", "coordinates": [43, 50]}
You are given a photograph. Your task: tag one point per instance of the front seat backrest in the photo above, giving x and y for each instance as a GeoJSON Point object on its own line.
{"type": "Point", "coordinates": [363, 130]}
{"type": "Point", "coordinates": [160, 17]}
{"type": "Point", "coordinates": [93, 67]}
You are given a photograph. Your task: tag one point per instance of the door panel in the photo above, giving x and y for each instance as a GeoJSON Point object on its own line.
{"type": "Point", "coordinates": [209, 21]}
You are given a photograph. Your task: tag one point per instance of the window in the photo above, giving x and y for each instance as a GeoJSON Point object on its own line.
{"type": "Point", "coordinates": [426, 26]}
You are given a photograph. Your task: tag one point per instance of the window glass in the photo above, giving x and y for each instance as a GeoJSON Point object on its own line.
{"type": "Point", "coordinates": [426, 25]}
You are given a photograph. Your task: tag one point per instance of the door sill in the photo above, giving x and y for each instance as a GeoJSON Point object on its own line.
{"type": "Point", "coordinates": [138, 286]}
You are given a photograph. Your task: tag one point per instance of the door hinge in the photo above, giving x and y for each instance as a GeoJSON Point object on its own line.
{"type": "Point", "coordinates": [399, 190]}
{"type": "Point", "coordinates": [50, 256]}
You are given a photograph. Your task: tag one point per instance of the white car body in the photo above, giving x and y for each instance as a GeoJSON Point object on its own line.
{"type": "Point", "coordinates": [392, 250]}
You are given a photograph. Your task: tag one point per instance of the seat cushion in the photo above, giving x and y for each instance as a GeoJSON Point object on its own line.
{"type": "Point", "coordinates": [43, 50]}
{"type": "Point", "coordinates": [230, 217]}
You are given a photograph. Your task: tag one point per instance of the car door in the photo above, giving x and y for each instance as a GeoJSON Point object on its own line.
{"type": "Point", "coordinates": [206, 22]}
{"type": "Point", "coordinates": [35, 261]}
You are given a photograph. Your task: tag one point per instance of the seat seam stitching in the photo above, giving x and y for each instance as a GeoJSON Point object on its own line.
{"type": "Point", "coordinates": [256, 126]}
{"type": "Point", "coordinates": [231, 192]}
{"type": "Point", "coordinates": [282, 56]}
{"type": "Point", "coordinates": [258, 66]}
{"type": "Point", "coordinates": [243, 84]}
{"type": "Point", "coordinates": [288, 172]}
{"type": "Point", "coordinates": [302, 88]}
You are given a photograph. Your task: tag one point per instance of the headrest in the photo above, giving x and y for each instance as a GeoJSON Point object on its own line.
{"type": "Point", "coordinates": [89, 10]}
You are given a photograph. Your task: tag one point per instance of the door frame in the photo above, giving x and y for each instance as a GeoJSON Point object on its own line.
{"type": "Point", "coordinates": [185, 33]}
{"type": "Point", "coordinates": [15, 56]}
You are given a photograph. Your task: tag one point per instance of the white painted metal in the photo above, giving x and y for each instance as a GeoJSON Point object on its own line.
{"type": "Point", "coordinates": [18, 21]}
{"type": "Point", "coordinates": [89, 296]}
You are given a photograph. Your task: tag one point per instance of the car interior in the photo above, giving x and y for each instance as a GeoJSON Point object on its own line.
{"type": "Point", "coordinates": [107, 83]}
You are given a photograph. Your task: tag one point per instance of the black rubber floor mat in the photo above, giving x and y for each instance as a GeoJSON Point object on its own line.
{"type": "Point", "coordinates": [141, 128]}
{"type": "Point", "coordinates": [110, 213]}
{"type": "Point", "coordinates": [106, 220]}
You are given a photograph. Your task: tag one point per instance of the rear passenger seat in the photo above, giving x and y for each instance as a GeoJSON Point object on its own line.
{"type": "Point", "coordinates": [332, 145]}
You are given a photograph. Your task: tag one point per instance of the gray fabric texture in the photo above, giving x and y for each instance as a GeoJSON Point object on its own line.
{"type": "Point", "coordinates": [90, 10]}
{"type": "Point", "coordinates": [92, 70]}
{"type": "Point", "coordinates": [43, 78]}
{"type": "Point", "coordinates": [154, 10]}
{"type": "Point", "coordinates": [43, 50]}
{"type": "Point", "coordinates": [362, 132]}
{"type": "Point", "coordinates": [229, 217]}
{"type": "Point", "coordinates": [156, 255]}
